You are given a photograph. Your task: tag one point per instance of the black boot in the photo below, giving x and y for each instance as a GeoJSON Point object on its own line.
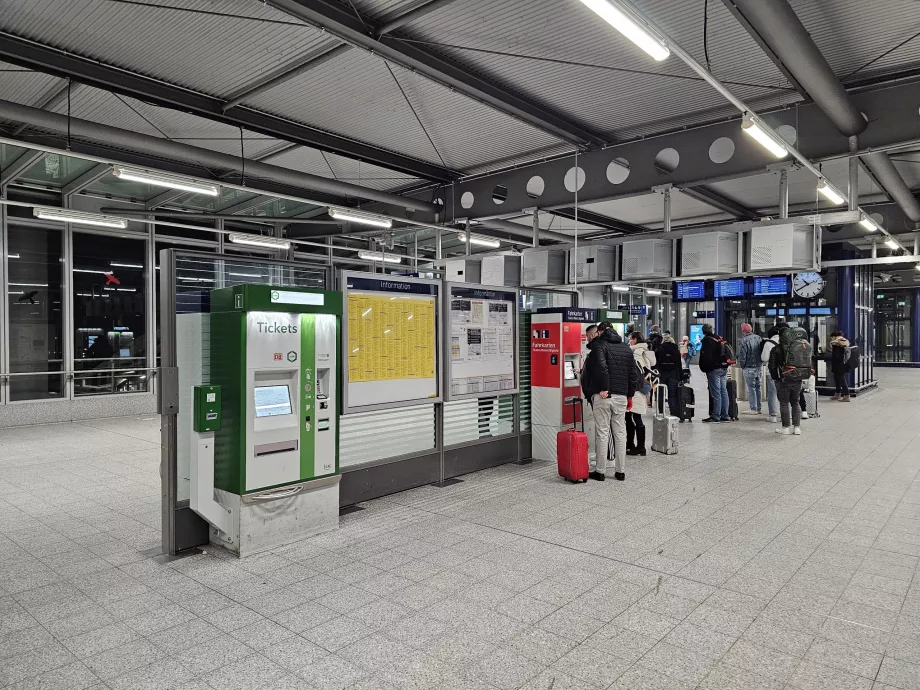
{"type": "Point", "coordinates": [640, 442]}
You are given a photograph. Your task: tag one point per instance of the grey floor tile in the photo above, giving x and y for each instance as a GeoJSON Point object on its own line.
{"type": "Point", "coordinates": [505, 669]}
{"type": "Point", "coordinates": [331, 673]}
{"type": "Point", "coordinates": [854, 660]}
{"type": "Point", "coordinates": [901, 674]}
{"type": "Point", "coordinates": [812, 676]}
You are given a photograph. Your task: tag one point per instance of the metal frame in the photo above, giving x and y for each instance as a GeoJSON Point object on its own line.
{"type": "Point", "coordinates": [37, 56]}
{"type": "Point", "coordinates": [342, 278]}
{"type": "Point", "coordinates": [445, 343]}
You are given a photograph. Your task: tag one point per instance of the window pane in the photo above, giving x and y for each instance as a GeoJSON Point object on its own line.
{"type": "Point", "coordinates": [35, 312]}
{"type": "Point", "coordinates": [110, 334]}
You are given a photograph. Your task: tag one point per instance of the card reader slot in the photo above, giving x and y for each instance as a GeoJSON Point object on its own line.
{"type": "Point", "coordinates": [276, 447]}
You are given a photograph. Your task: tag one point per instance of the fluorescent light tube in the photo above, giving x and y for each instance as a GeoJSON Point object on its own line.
{"type": "Point", "coordinates": [353, 216]}
{"type": "Point", "coordinates": [619, 288]}
{"type": "Point", "coordinates": [869, 224]}
{"type": "Point", "coordinates": [763, 136]}
{"type": "Point", "coordinates": [631, 29]}
{"type": "Point", "coordinates": [481, 241]}
{"type": "Point", "coordinates": [653, 292]}
{"type": "Point", "coordinates": [259, 241]}
{"type": "Point", "coordinates": [168, 181]}
{"type": "Point", "coordinates": [380, 256]}
{"type": "Point", "coordinates": [118, 265]}
{"type": "Point", "coordinates": [79, 218]}
{"type": "Point", "coordinates": [891, 244]}
{"type": "Point", "coordinates": [917, 267]}
{"type": "Point", "coordinates": [829, 193]}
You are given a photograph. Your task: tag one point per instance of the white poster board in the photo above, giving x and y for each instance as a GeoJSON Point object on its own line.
{"type": "Point", "coordinates": [390, 341]}
{"type": "Point", "coordinates": [481, 341]}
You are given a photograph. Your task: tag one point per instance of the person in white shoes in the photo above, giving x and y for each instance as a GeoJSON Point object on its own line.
{"type": "Point", "coordinates": [751, 366]}
{"type": "Point", "coordinates": [765, 350]}
{"type": "Point", "coordinates": [790, 364]}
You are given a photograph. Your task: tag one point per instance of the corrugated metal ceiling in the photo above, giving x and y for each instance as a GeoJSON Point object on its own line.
{"type": "Point", "coordinates": [24, 86]}
{"type": "Point", "coordinates": [648, 209]}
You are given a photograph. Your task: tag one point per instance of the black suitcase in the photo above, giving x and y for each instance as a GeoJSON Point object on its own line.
{"type": "Point", "coordinates": [686, 403]}
{"type": "Point", "coordinates": [732, 387]}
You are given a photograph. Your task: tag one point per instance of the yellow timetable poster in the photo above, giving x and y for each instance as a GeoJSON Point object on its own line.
{"type": "Point", "coordinates": [390, 338]}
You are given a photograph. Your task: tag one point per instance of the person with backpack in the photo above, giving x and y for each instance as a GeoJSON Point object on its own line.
{"type": "Point", "coordinates": [715, 357]}
{"type": "Point", "coordinates": [654, 337]}
{"type": "Point", "coordinates": [645, 362]}
{"type": "Point", "coordinates": [766, 347]}
{"type": "Point", "coordinates": [669, 368]}
{"type": "Point", "coordinates": [840, 365]}
{"type": "Point", "coordinates": [790, 365]}
{"type": "Point", "coordinates": [751, 366]}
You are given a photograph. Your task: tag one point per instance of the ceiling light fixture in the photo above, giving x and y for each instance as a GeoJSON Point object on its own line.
{"type": "Point", "coordinates": [653, 292]}
{"type": "Point", "coordinates": [868, 224]}
{"type": "Point", "coordinates": [259, 241]}
{"type": "Point", "coordinates": [118, 265]}
{"type": "Point", "coordinates": [917, 267]}
{"type": "Point", "coordinates": [79, 218]}
{"type": "Point", "coordinates": [168, 181]}
{"type": "Point", "coordinates": [642, 36]}
{"type": "Point", "coordinates": [892, 244]}
{"type": "Point", "coordinates": [380, 256]}
{"type": "Point", "coordinates": [619, 288]}
{"type": "Point", "coordinates": [478, 240]}
{"type": "Point", "coordinates": [763, 135]}
{"type": "Point", "coordinates": [828, 192]}
{"type": "Point", "coordinates": [353, 216]}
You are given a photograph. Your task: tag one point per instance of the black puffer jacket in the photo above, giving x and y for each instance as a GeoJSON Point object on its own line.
{"type": "Point", "coordinates": [668, 356]}
{"type": "Point", "coordinates": [710, 354]}
{"type": "Point", "coordinates": [610, 367]}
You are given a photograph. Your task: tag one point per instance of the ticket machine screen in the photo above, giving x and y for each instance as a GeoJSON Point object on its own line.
{"type": "Point", "coordinates": [272, 401]}
{"type": "Point", "coordinates": [569, 370]}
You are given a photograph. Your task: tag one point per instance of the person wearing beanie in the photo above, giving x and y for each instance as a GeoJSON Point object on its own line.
{"type": "Point", "coordinates": [751, 366]}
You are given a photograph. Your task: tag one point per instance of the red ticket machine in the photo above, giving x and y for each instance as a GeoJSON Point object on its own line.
{"type": "Point", "coordinates": [557, 350]}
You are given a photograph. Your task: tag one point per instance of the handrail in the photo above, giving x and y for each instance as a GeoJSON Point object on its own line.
{"type": "Point", "coordinates": [80, 371]}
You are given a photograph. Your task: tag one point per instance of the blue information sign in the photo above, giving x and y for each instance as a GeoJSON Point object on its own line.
{"type": "Point", "coordinates": [733, 287]}
{"type": "Point", "coordinates": [690, 290]}
{"type": "Point", "coordinates": [771, 285]}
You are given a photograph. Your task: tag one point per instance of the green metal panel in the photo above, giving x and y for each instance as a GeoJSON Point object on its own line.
{"type": "Point", "coordinates": [207, 403]}
{"type": "Point", "coordinates": [241, 298]}
{"type": "Point", "coordinates": [228, 370]}
{"type": "Point", "coordinates": [307, 391]}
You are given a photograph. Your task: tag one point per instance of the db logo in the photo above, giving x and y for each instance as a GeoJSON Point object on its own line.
{"type": "Point", "coordinates": [278, 356]}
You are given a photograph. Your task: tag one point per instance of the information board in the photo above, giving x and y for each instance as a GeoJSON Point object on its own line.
{"type": "Point", "coordinates": [771, 285]}
{"type": "Point", "coordinates": [733, 287]}
{"type": "Point", "coordinates": [482, 341]}
{"type": "Point", "coordinates": [690, 290]}
{"type": "Point", "coordinates": [390, 348]}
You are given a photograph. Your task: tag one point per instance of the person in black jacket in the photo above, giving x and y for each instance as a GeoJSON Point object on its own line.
{"type": "Point", "coordinates": [716, 371]}
{"type": "Point", "coordinates": [654, 338]}
{"type": "Point", "coordinates": [840, 366]}
{"type": "Point", "coordinates": [669, 365]}
{"type": "Point", "coordinates": [609, 381]}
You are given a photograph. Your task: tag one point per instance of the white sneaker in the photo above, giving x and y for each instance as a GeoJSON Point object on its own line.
{"type": "Point", "coordinates": [804, 415]}
{"type": "Point", "coordinates": [785, 430]}
{"type": "Point", "coordinates": [797, 430]}
{"type": "Point", "coordinates": [774, 418]}
{"type": "Point", "coordinates": [751, 412]}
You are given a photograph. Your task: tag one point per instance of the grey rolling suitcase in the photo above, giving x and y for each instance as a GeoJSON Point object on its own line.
{"type": "Point", "coordinates": [811, 402]}
{"type": "Point", "coordinates": [664, 426]}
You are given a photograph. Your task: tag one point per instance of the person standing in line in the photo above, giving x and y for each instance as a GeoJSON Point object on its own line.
{"type": "Point", "coordinates": [669, 365]}
{"type": "Point", "coordinates": [685, 349]}
{"type": "Point", "coordinates": [766, 349]}
{"type": "Point", "coordinates": [789, 376]}
{"type": "Point", "coordinates": [840, 366]}
{"type": "Point", "coordinates": [654, 337]}
{"type": "Point", "coordinates": [609, 382]}
{"type": "Point", "coordinates": [751, 366]}
{"type": "Point", "coordinates": [712, 364]}
{"type": "Point", "coordinates": [644, 364]}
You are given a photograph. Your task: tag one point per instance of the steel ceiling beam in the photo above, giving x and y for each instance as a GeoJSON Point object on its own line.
{"type": "Point", "coordinates": [358, 30]}
{"type": "Point", "coordinates": [37, 56]}
{"type": "Point", "coordinates": [299, 66]}
{"type": "Point", "coordinates": [412, 15]}
{"type": "Point", "coordinates": [720, 202]}
{"type": "Point", "coordinates": [165, 148]}
{"type": "Point", "coordinates": [163, 199]}
{"type": "Point", "coordinates": [599, 220]}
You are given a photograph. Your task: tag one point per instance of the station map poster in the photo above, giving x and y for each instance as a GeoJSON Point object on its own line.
{"type": "Point", "coordinates": [391, 348]}
{"type": "Point", "coordinates": [482, 341]}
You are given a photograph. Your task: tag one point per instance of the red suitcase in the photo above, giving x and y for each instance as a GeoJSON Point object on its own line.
{"type": "Point", "coordinates": [572, 450]}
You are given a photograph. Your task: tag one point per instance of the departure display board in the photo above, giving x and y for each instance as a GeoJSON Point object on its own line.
{"type": "Point", "coordinates": [391, 340]}
{"type": "Point", "coordinates": [733, 287]}
{"type": "Point", "coordinates": [690, 290]}
{"type": "Point", "coordinates": [767, 286]}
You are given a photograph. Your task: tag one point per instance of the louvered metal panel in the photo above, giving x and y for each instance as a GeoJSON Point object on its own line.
{"type": "Point", "coordinates": [369, 437]}
{"type": "Point", "coordinates": [478, 418]}
{"type": "Point", "coordinates": [524, 369]}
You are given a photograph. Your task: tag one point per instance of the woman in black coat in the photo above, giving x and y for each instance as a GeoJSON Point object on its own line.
{"type": "Point", "coordinates": [669, 367]}
{"type": "Point", "coordinates": [840, 366]}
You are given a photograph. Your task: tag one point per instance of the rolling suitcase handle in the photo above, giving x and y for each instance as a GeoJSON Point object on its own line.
{"type": "Point", "coordinates": [575, 413]}
{"type": "Point", "coordinates": [655, 400]}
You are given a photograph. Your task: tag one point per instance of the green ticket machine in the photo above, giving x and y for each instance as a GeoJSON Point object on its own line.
{"type": "Point", "coordinates": [274, 356]}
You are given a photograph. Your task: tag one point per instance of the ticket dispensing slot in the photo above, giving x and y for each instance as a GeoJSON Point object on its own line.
{"type": "Point", "coordinates": [322, 396]}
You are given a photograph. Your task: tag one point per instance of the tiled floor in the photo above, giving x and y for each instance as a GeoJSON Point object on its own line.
{"type": "Point", "coordinates": [749, 561]}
